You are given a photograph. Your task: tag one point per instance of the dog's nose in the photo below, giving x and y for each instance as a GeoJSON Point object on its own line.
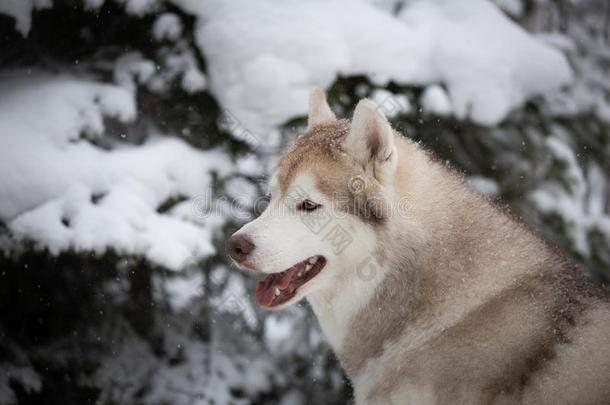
{"type": "Point", "coordinates": [239, 247]}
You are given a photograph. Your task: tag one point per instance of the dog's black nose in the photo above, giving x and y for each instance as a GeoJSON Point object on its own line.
{"type": "Point", "coordinates": [239, 247]}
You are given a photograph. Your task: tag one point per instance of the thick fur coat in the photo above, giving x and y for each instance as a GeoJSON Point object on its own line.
{"type": "Point", "coordinates": [439, 297]}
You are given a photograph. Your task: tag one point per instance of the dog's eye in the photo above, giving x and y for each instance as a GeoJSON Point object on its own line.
{"type": "Point", "coordinates": [307, 205]}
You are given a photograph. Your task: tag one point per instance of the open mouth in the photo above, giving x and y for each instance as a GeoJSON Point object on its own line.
{"type": "Point", "coordinates": [278, 288]}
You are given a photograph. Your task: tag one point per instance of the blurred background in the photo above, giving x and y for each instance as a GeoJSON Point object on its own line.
{"type": "Point", "coordinates": [135, 135]}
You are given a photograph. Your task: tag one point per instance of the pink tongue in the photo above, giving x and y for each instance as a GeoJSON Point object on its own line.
{"type": "Point", "coordinates": [265, 289]}
{"type": "Point", "coordinates": [286, 277]}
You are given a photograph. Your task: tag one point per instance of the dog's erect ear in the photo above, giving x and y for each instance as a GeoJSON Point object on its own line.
{"type": "Point", "coordinates": [319, 111]}
{"type": "Point", "coordinates": [371, 140]}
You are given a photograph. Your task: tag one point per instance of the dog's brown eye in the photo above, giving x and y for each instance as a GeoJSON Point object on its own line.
{"type": "Point", "coordinates": [307, 205]}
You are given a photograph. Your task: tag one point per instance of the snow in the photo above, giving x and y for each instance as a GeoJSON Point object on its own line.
{"type": "Point", "coordinates": [235, 300]}
{"type": "Point", "coordinates": [181, 63]}
{"type": "Point", "coordinates": [167, 26]}
{"type": "Point", "coordinates": [242, 191]}
{"type": "Point", "coordinates": [63, 192]}
{"type": "Point", "coordinates": [131, 69]}
{"type": "Point", "coordinates": [484, 185]}
{"type": "Point", "coordinates": [25, 375]}
{"type": "Point", "coordinates": [21, 11]}
{"type": "Point", "coordinates": [93, 4]}
{"type": "Point", "coordinates": [203, 375]}
{"type": "Point", "coordinates": [488, 64]}
{"type": "Point", "coordinates": [578, 199]}
{"type": "Point", "coordinates": [140, 7]}
{"type": "Point", "coordinates": [588, 93]}
{"type": "Point", "coordinates": [277, 330]}
{"type": "Point", "coordinates": [293, 397]}
{"type": "Point", "coordinates": [391, 104]}
{"type": "Point", "coordinates": [436, 101]}
{"type": "Point", "coordinates": [181, 290]}
{"type": "Point", "coordinates": [193, 80]}
{"type": "Point", "coordinates": [512, 7]}
{"type": "Point", "coordinates": [250, 164]}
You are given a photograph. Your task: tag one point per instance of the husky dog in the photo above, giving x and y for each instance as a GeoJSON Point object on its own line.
{"type": "Point", "coordinates": [427, 292]}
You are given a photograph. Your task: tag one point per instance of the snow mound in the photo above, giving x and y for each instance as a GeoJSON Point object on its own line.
{"type": "Point", "coordinates": [434, 100]}
{"type": "Point", "coordinates": [167, 27]}
{"type": "Point", "coordinates": [63, 192]}
{"type": "Point", "coordinates": [21, 11]}
{"type": "Point", "coordinates": [264, 57]}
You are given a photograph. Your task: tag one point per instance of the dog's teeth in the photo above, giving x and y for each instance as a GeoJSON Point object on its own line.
{"type": "Point", "coordinates": [299, 274]}
{"type": "Point", "coordinates": [277, 292]}
{"type": "Point", "coordinates": [308, 267]}
{"type": "Point", "coordinates": [312, 260]}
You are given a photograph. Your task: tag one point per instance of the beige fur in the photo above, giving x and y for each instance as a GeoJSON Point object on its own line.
{"type": "Point", "coordinates": [465, 305]}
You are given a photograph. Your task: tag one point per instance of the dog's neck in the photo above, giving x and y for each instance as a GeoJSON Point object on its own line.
{"type": "Point", "coordinates": [367, 311]}
{"type": "Point", "coordinates": [336, 308]}
{"type": "Point", "coordinates": [367, 306]}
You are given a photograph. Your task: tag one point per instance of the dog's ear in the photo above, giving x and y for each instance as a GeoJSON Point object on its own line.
{"type": "Point", "coordinates": [319, 111]}
{"type": "Point", "coordinates": [371, 140]}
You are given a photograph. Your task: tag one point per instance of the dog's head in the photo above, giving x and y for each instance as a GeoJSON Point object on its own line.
{"type": "Point", "coordinates": [329, 197]}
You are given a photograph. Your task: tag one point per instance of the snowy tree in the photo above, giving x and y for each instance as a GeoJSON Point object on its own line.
{"type": "Point", "coordinates": [135, 135]}
{"type": "Point", "coordinates": [120, 185]}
